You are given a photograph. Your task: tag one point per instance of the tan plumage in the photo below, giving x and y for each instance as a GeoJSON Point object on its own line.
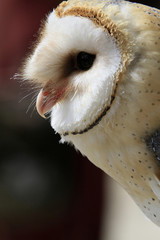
{"type": "Point", "coordinates": [111, 112]}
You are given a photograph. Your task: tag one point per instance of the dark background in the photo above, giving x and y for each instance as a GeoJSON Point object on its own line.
{"type": "Point", "coordinates": [47, 190]}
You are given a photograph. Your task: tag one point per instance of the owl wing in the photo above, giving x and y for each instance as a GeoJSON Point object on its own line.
{"type": "Point", "coordinates": [150, 16]}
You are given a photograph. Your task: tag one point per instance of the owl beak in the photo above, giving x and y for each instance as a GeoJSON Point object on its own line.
{"type": "Point", "coordinates": [47, 99]}
{"type": "Point", "coordinates": [43, 106]}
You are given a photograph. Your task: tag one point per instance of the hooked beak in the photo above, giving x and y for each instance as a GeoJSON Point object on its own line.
{"type": "Point", "coordinates": [46, 99]}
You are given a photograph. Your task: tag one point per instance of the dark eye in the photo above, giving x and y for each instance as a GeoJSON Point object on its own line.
{"type": "Point", "coordinates": [85, 60]}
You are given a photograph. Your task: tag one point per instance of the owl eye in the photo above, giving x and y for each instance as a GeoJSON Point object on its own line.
{"type": "Point", "coordinates": [85, 60]}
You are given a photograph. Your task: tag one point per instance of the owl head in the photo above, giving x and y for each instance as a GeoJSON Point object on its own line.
{"type": "Point", "coordinates": [78, 64]}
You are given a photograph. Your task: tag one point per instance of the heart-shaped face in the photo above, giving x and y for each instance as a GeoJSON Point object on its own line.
{"type": "Point", "coordinates": [78, 77]}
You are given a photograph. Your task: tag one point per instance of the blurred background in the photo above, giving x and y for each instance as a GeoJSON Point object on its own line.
{"type": "Point", "coordinates": [47, 190]}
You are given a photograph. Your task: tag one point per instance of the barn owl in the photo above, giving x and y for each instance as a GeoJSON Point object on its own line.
{"type": "Point", "coordinates": [97, 66]}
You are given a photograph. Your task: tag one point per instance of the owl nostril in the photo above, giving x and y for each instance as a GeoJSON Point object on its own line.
{"type": "Point", "coordinates": [46, 93]}
{"type": "Point", "coordinates": [85, 60]}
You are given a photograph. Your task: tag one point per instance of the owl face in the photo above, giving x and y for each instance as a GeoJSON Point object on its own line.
{"type": "Point", "coordinates": [76, 64]}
